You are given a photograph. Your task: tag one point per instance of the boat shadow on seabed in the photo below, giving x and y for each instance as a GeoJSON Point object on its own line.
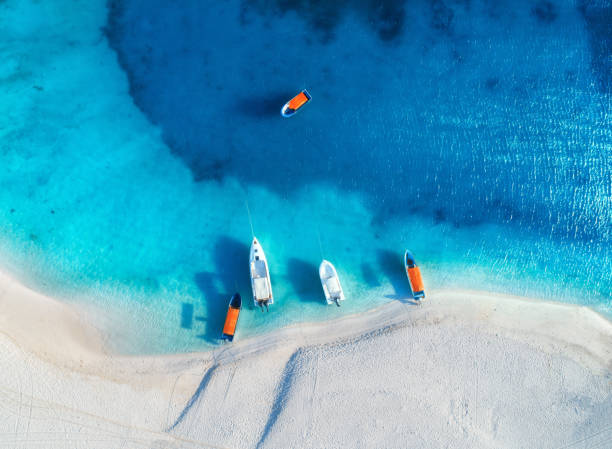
{"type": "Point", "coordinates": [230, 275]}
{"type": "Point", "coordinates": [305, 282]}
{"type": "Point", "coordinates": [391, 265]}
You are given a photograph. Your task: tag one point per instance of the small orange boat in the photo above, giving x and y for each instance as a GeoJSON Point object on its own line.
{"type": "Point", "coordinates": [414, 276]}
{"type": "Point", "coordinates": [294, 105]}
{"type": "Point", "coordinates": [231, 320]}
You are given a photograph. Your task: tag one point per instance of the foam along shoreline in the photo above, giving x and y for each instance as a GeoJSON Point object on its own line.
{"type": "Point", "coordinates": [425, 368]}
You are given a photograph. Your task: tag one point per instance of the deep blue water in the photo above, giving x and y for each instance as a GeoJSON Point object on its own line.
{"type": "Point", "coordinates": [476, 133]}
{"type": "Point", "coordinates": [469, 112]}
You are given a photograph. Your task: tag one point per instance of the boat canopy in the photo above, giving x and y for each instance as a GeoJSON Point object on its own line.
{"type": "Point", "coordinates": [333, 286]}
{"type": "Point", "coordinates": [299, 100]}
{"type": "Point", "coordinates": [261, 289]}
{"type": "Point", "coordinates": [259, 269]}
{"type": "Point", "coordinates": [229, 328]}
{"type": "Point", "coordinates": [416, 281]}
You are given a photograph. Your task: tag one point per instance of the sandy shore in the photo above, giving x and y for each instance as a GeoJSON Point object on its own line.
{"type": "Point", "coordinates": [464, 369]}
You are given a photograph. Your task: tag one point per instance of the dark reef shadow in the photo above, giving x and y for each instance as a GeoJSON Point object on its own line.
{"type": "Point", "coordinates": [392, 266]}
{"type": "Point", "coordinates": [304, 277]}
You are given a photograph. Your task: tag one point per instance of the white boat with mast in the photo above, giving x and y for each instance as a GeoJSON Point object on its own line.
{"type": "Point", "coordinates": [260, 277]}
{"type": "Point", "coordinates": [331, 283]}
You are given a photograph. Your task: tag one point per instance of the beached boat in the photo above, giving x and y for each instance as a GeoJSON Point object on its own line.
{"type": "Point", "coordinates": [260, 276]}
{"type": "Point", "coordinates": [414, 276]}
{"type": "Point", "coordinates": [231, 319]}
{"type": "Point", "coordinates": [293, 105]}
{"type": "Point", "coordinates": [331, 283]}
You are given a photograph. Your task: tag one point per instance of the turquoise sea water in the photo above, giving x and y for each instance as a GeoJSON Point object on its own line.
{"type": "Point", "coordinates": [132, 134]}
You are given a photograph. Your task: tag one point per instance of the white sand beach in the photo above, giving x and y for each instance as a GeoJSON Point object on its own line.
{"type": "Point", "coordinates": [464, 369]}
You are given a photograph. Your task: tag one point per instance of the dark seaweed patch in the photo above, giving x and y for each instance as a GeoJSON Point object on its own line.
{"type": "Point", "coordinates": [545, 11]}
{"type": "Point", "coordinates": [321, 15]}
{"type": "Point", "coordinates": [492, 83]}
{"type": "Point", "coordinates": [457, 57]}
{"type": "Point", "coordinates": [442, 16]}
{"type": "Point", "coordinates": [389, 19]}
{"type": "Point", "coordinates": [598, 17]}
{"type": "Point", "coordinates": [385, 17]}
{"type": "Point", "coordinates": [212, 169]}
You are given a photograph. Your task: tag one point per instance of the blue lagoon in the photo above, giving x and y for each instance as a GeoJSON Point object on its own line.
{"type": "Point", "coordinates": [134, 134]}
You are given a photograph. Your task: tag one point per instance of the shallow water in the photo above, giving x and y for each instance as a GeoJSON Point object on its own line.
{"type": "Point", "coordinates": [477, 134]}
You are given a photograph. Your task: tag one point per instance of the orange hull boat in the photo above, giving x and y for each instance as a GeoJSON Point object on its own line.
{"type": "Point", "coordinates": [231, 320]}
{"type": "Point", "coordinates": [294, 105]}
{"type": "Point", "coordinates": [414, 276]}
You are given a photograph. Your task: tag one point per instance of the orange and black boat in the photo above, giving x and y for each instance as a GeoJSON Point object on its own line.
{"type": "Point", "coordinates": [294, 105]}
{"type": "Point", "coordinates": [231, 320]}
{"type": "Point", "coordinates": [414, 276]}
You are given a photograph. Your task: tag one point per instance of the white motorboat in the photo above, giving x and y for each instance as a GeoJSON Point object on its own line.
{"type": "Point", "coordinates": [260, 276]}
{"type": "Point", "coordinates": [331, 283]}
